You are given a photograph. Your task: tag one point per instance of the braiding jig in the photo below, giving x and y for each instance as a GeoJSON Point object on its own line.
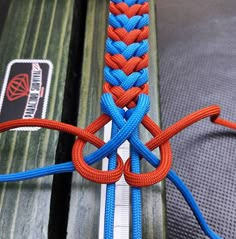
{"type": "Point", "coordinates": [125, 102]}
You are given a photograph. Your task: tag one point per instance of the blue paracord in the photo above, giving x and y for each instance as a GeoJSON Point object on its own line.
{"type": "Point", "coordinates": [110, 194]}
{"type": "Point", "coordinates": [117, 77]}
{"type": "Point", "coordinates": [140, 148]}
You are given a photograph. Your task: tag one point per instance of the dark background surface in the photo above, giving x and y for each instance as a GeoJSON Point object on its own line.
{"type": "Point", "coordinates": [197, 51]}
{"type": "Point", "coordinates": [3, 13]}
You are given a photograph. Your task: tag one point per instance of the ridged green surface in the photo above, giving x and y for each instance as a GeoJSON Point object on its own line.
{"type": "Point", "coordinates": [39, 30]}
{"type": "Point", "coordinates": [85, 198]}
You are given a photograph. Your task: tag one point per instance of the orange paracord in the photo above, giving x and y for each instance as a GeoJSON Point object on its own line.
{"type": "Point", "coordinates": [161, 139]}
{"type": "Point", "coordinates": [126, 86]}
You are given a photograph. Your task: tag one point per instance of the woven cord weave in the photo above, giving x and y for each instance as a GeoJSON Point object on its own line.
{"type": "Point", "coordinates": [126, 102]}
{"type": "Point", "coordinates": [126, 68]}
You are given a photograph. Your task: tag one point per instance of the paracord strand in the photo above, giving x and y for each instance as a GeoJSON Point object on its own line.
{"type": "Point", "coordinates": [121, 13]}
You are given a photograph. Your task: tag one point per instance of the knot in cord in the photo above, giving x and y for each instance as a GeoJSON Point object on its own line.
{"type": "Point", "coordinates": [126, 102]}
{"type": "Point", "coordinates": [126, 75]}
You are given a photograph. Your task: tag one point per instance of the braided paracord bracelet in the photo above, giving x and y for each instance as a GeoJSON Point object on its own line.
{"type": "Point", "coordinates": [126, 86]}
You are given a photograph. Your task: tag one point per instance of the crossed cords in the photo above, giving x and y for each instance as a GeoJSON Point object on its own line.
{"type": "Point", "coordinates": [126, 87]}
{"type": "Point", "coordinates": [113, 102]}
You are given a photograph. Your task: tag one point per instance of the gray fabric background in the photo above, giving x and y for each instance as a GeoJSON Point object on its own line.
{"type": "Point", "coordinates": [197, 51]}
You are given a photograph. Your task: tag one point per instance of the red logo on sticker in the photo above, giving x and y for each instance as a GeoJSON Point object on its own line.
{"type": "Point", "coordinates": [18, 87]}
{"type": "Point", "coordinates": [25, 90]}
